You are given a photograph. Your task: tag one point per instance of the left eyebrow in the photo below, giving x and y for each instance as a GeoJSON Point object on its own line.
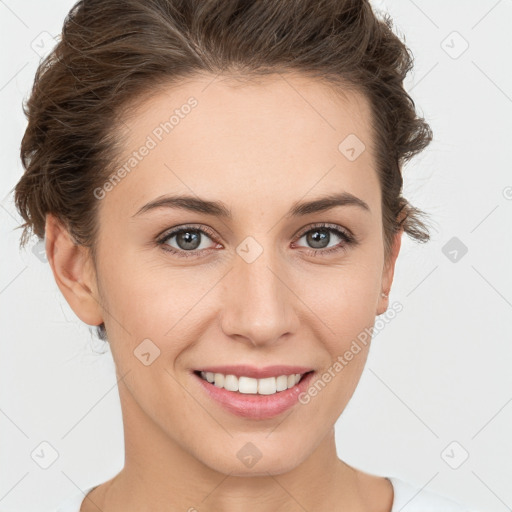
{"type": "Point", "coordinates": [219, 209]}
{"type": "Point", "coordinates": [326, 203]}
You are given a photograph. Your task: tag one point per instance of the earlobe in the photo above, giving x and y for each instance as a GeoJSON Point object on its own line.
{"type": "Point", "coordinates": [388, 273]}
{"type": "Point", "coordinates": [73, 271]}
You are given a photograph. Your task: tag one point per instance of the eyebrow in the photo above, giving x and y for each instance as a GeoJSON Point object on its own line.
{"type": "Point", "coordinates": [219, 209]}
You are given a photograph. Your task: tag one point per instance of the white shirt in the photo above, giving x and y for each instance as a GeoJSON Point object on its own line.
{"type": "Point", "coordinates": [407, 498]}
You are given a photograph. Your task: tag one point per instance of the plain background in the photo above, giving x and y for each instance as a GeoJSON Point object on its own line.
{"type": "Point", "coordinates": [437, 387]}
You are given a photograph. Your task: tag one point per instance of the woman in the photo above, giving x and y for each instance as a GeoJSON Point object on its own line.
{"type": "Point", "coordinates": [219, 185]}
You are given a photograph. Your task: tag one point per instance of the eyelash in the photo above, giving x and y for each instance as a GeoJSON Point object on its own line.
{"type": "Point", "coordinates": [348, 239]}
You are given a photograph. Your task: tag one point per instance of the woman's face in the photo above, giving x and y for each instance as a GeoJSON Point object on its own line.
{"type": "Point", "coordinates": [244, 285]}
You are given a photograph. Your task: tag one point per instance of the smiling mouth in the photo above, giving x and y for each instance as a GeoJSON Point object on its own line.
{"type": "Point", "coordinates": [249, 385]}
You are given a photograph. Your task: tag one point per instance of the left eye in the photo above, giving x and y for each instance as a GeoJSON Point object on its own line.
{"type": "Point", "coordinates": [319, 237]}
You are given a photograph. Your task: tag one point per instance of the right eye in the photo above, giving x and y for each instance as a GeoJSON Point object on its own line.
{"type": "Point", "coordinates": [188, 240]}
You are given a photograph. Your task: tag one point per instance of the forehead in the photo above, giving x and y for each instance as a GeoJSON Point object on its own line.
{"type": "Point", "coordinates": [278, 136]}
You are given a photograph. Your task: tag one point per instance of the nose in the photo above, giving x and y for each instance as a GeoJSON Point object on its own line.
{"type": "Point", "coordinates": [259, 305]}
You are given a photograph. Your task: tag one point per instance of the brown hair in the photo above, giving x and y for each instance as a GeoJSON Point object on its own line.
{"type": "Point", "coordinates": [114, 52]}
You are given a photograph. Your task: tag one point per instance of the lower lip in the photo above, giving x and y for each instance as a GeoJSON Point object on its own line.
{"type": "Point", "coordinates": [253, 406]}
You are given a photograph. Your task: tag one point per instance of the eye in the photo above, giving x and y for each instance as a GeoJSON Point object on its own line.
{"type": "Point", "coordinates": [188, 240]}
{"type": "Point", "coordinates": [320, 236]}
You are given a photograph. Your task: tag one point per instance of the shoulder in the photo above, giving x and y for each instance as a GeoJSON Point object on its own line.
{"type": "Point", "coordinates": [409, 498]}
{"type": "Point", "coordinates": [74, 502]}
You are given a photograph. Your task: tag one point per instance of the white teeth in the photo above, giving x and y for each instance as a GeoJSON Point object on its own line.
{"type": "Point", "coordinates": [267, 386]}
{"type": "Point", "coordinates": [248, 385]}
{"type": "Point", "coordinates": [281, 383]}
{"type": "Point", "coordinates": [231, 383]}
{"type": "Point", "coordinates": [219, 380]}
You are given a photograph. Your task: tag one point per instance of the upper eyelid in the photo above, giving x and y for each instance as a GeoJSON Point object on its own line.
{"type": "Point", "coordinates": [324, 225]}
{"type": "Point", "coordinates": [168, 233]}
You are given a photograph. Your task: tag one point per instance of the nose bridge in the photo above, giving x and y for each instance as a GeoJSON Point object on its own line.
{"type": "Point", "coordinates": [258, 305]}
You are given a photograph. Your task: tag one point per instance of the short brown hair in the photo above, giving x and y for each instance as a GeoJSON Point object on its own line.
{"type": "Point", "coordinates": [113, 51]}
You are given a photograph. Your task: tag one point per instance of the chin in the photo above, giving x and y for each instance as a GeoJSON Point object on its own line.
{"type": "Point", "coordinates": [256, 458]}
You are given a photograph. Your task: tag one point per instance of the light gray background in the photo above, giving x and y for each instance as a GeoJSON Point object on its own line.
{"type": "Point", "coordinates": [438, 373]}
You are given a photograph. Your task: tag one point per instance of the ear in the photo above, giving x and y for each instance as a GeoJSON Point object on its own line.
{"type": "Point", "coordinates": [388, 273]}
{"type": "Point", "coordinates": [73, 271]}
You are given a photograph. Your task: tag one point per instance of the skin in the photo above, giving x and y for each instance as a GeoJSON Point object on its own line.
{"type": "Point", "coordinates": [259, 148]}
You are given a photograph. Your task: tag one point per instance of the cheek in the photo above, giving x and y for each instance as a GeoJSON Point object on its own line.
{"type": "Point", "coordinates": [135, 290]}
{"type": "Point", "coordinates": [153, 301]}
{"type": "Point", "coordinates": [343, 298]}
{"type": "Point", "coordinates": [347, 343]}
{"type": "Point", "coordinates": [344, 302]}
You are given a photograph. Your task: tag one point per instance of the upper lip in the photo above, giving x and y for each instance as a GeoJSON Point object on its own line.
{"type": "Point", "coordinates": [254, 372]}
